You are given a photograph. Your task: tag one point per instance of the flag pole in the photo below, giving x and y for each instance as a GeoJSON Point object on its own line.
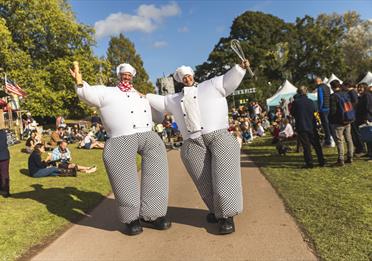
{"type": "Point", "coordinates": [2, 120]}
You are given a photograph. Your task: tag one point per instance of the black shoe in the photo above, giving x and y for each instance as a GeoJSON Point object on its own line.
{"type": "Point", "coordinates": [211, 218]}
{"type": "Point", "coordinates": [308, 166]}
{"type": "Point", "coordinates": [322, 163]}
{"type": "Point", "coordinates": [339, 163]}
{"type": "Point", "coordinates": [133, 228]}
{"type": "Point", "coordinates": [226, 225]}
{"type": "Point", "coordinates": [161, 223]}
{"type": "Point", "coordinates": [349, 161]}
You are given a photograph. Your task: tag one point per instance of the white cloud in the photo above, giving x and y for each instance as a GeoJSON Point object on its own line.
{"type": "Point", "coordinates": [146, 19]}
{"type": "Point", "coordinates": [157, 14]}
{"type": "Point", "coordinates": [183, 29]}
{"type": "Point", "coordinates": [160, 44]}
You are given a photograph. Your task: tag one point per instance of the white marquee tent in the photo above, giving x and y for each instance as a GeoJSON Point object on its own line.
{"type": "Point", "coordinates": [333, 77]}
{"type": "Point", "coordinates": [287, 90]}
{"type": "Point", "coordinates": [367, 79]}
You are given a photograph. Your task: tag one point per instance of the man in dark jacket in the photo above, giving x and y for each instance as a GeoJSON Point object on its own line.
{"type": "Point", "coordinates": [341, 128]}
{"type": "Point", "coordinates": [365, 111]}
{"type": "Point", "coordinates": [349, 88]}
{"type": "Point", "coordinates": [4, 164]}
{"type": "Point", "coordinates": [303, 110]}
{"type": "Point", "coordinates": [324, 94]}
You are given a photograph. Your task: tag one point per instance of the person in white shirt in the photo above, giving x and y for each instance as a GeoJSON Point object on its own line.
{"type": "Point", "coordinates": [209, 152]}
{"type": "Point", "coordinates": [260, 130]}
{"type": "Point", "coordinates": [257, 109]}
{"type": "Point", "coordinates": [126, 115]}
{"type": "Point", "coordinates": [288, 130]}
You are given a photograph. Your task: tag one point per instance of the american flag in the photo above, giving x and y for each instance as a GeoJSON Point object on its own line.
{"type": "Point", "coordinates": [14, 88]}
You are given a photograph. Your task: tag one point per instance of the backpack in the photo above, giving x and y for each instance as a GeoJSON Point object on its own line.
{"type": "Point", "coordinates": [346, 107]}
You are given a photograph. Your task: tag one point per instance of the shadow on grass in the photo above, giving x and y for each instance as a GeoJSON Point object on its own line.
{"type": "Point", "coordinates": [24, 172]}
{"type": "Point", "coordinates": [264, 154]}
{"type": "Point", "coordinates": [75, 202]}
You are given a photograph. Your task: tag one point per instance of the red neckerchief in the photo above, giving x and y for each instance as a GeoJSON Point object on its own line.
{"type": "Point", "coordinates": [125, 86]}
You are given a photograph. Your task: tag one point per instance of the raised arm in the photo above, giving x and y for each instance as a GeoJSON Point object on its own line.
{"type": "Point", "coordinates": [90, 94]}
{"type": "Point", "coordinates": [233, 77]}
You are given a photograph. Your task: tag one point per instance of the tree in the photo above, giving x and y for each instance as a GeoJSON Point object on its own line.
{"type": "Point", "coordinates": [121, 50]}
{"type": "Point", "coordinates": [264, 39]}
{"type": "Point", "coordinates": [355, 41]}
{"type": "Point", "coordinates": [43, 39]}
{"type": "Point", "coordinates": [315, 51]}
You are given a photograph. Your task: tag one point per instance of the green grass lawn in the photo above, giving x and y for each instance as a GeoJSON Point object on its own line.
{"type": "Point", "coordinates": [41, 207]}
{"type": "Point", "coordinates": [333, 205]}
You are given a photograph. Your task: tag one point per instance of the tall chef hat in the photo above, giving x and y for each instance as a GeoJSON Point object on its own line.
{"type": "Point", "coordinates": [125, 67]}
{"type": "Point", "coordinates": [181, 72]}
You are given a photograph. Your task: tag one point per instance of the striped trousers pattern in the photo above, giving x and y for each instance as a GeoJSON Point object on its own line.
{"type": "Point", "coordinates": [213, 162]}
{"type": "Point", "coordinates": [146, 198]}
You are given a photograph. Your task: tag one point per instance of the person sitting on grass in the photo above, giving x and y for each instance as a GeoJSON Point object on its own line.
{"type": "Point", "coordinates": [31, 142]}
{"type": "Point", "coordinates": [41, 168]}
{"type": "Point", "coordinates": [237, 134]}
{"type": "Point", "coordinates": [275, 130]}
{"type": "Point", "coordinates": [260, 130]}
{"type": "Point", "coordinates": [287, 132]}
{"type": "Point", "coordinates": [89, 142]}
{"type": "Point", "coordinates": [56, 136]}
{"type": "Point", "coordinates": [63, 154]}
{"type": "Point", "coordinates": [101, 134]}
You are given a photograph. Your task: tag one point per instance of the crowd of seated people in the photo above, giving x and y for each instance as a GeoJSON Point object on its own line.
{"type": "Point", "coordinates": [58, 162]}
{"type": "Point", "coordinates": [248, 122]}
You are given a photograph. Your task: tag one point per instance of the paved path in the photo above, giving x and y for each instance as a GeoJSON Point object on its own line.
{"type": "Point", "coordinates": [264, 231]}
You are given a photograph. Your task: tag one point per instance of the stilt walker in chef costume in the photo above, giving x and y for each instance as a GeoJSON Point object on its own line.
{"type": "Point", "coordinates": [210, 153]}
{"type": "Point", "coordinates": [126, 115]}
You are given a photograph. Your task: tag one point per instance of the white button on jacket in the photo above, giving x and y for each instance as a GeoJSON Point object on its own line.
{"type": "Point", "coordinates": [211, 97]}
{"type": "Point", "coordinates": [122, 113]}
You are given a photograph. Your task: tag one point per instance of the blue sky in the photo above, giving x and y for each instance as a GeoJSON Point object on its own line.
{"type": "Point", "coordinates": [168, 34]}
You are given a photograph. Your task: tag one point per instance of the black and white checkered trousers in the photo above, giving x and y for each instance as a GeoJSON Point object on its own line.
{"type": "Point", "coordinates": [213, 162]}
{"type": "Point", "coordinates": [147, 198]}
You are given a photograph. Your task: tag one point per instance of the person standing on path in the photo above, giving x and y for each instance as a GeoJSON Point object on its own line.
{"type": "Point", "coordinates": [303, 110]}
{"type": "Point", "coordinates": [126, 115]}
{"type": "Point", "coordinates": [209, 152]}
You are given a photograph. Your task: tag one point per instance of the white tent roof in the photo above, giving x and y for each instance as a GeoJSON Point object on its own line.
{"type": "Point", "coordinates": [367, 79]}
{"type": "Point", "coordinates": [333, 77]}
{"type": "Point", "coordinates": [285, 88]}
{"type": "Point", "coordinates": [286, 91]}
{"type": "Point", "coordinates": [325, 80]}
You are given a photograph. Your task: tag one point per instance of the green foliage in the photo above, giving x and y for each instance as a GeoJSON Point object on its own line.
{"type": "Point", "coordinates": [122, 50]}
{"type": "Point", "coordinates": [339, 44]}
{"type": "Point", "coordinates": [40, 39]}
{"type": "Point", "coordinates": [332, 205]}
{"type": "Point", "coordinates": [264, 40]}
{"type": "Point", "coordinates": [315, 51]}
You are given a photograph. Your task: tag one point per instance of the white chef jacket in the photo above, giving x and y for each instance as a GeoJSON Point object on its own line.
{"type": "Point", "coordinates": [122, 113]}
{"type": "Point", "coordinates": [211, 96]}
